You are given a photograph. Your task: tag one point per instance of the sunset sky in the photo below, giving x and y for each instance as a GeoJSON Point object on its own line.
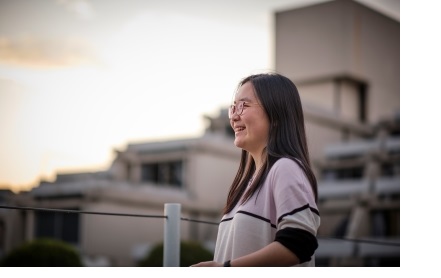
{"type": "Point", "coordinates": [80, 78]}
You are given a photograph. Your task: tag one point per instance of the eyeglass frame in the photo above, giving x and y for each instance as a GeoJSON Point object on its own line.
{"type": "Point", "coordinates": [234, 108]}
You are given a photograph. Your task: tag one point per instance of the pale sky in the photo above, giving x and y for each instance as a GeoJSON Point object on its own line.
{"type": "Point", "coordinates": [80, 78]}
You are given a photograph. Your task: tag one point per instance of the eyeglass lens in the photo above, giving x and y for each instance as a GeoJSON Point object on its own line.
{"type": "Point", "coordinates": [235, 109]}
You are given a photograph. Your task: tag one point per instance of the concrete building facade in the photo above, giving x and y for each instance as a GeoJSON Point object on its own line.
{"type": "Point", "coordinates": [345, 59]}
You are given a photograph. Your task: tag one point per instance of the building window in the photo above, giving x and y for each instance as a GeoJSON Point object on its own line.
{"type": "Point", "coordinates": [164, 173]}
{"type": "Point", "coordinates": [58, 225]}
{"type": "Point", "coordinates": [343, 173]}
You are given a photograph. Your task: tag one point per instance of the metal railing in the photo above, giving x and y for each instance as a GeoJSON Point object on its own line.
{"type": "Point", "coordinates": [172, 231]}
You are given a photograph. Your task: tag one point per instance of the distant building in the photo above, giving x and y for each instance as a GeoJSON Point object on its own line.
{"type": "Point", "coordinates": [344, 57]}
{"type": "Point", "coordinates": [194, 172]}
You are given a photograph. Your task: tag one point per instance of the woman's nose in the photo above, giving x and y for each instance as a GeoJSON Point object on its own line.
{"type": "Point", "coordinates": [234, 117]}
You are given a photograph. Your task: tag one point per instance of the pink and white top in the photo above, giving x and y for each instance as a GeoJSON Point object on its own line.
{"type": "Point", "coordinates": [283, 210]}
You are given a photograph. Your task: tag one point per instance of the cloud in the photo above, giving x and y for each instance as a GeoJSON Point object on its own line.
{"type": "Point", "coordinates": [44, 52]}
{"type": "Point", "coordinates": [82, 8]}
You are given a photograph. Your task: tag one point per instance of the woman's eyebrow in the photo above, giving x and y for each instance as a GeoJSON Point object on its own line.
{"type": "Point", "coordinates": [246, 99]}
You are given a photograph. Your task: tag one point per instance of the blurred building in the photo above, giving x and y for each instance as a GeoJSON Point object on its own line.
{"type": "Point", "coordinates": [194, 172]}
{"type": "Point", "coordinates": [344, 58]}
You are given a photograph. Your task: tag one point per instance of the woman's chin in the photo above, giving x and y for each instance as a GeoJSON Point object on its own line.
{"type": "Point", "coordinates": [238, 143]}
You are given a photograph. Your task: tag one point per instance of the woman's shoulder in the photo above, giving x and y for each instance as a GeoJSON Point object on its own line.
{"type": "Point", "coordinates": [287, 167]}
{"type": "Point", "coordinates": [287, 171]}
{"type": "Point", "coordinates": [285, 163]}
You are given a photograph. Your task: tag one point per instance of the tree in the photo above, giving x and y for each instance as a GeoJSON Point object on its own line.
{"type": "Point", "coordinates": [43, 253]}
{"type": "Point", "coordinates": [191, 253]}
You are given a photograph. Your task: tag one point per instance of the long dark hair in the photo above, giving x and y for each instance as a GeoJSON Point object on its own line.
{"type": "Point", "coordinates": [287, 137]}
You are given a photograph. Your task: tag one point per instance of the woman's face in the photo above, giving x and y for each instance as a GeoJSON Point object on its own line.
{"type": "Point", "coordinates": [252, 126]}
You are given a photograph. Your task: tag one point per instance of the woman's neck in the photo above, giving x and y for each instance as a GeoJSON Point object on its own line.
{"type": "Point", "coordinates": [258, 162]}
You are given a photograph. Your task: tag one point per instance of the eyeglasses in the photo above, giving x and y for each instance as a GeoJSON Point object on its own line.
{"type": "Point", "coordinates": [238, 108]}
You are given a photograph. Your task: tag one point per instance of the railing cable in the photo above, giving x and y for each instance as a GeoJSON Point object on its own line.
{"type": "Point", "coordinates": [199, 221]}
{"type": "Point", "coordinates": [83, 212]}
{"type": "Point", "coordinates": [182, 218]}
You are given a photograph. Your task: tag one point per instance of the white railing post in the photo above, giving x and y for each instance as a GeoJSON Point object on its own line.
{"type": "Point", "coordinates": [172, 234]}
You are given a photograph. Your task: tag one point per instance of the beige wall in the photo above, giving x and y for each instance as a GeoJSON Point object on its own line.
{"type": "Point", "coordinates": [318, 136]}
{"type": "Point", "coordinates": [116, 237]}
{"type": "Point", "coordinates": [212, 177]}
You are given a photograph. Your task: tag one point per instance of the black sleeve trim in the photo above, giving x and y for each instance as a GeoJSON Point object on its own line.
{"type": "Point", "coordinates": [302, 243]}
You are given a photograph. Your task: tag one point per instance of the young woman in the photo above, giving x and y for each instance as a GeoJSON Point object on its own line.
{"type": "Point", "coordinates": [271, 216]}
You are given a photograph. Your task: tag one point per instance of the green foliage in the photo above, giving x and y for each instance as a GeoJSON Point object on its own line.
{"type": "Point", "coordinates": [43, 253]}
{"type": "Point", "coordinates": [191, 253]}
